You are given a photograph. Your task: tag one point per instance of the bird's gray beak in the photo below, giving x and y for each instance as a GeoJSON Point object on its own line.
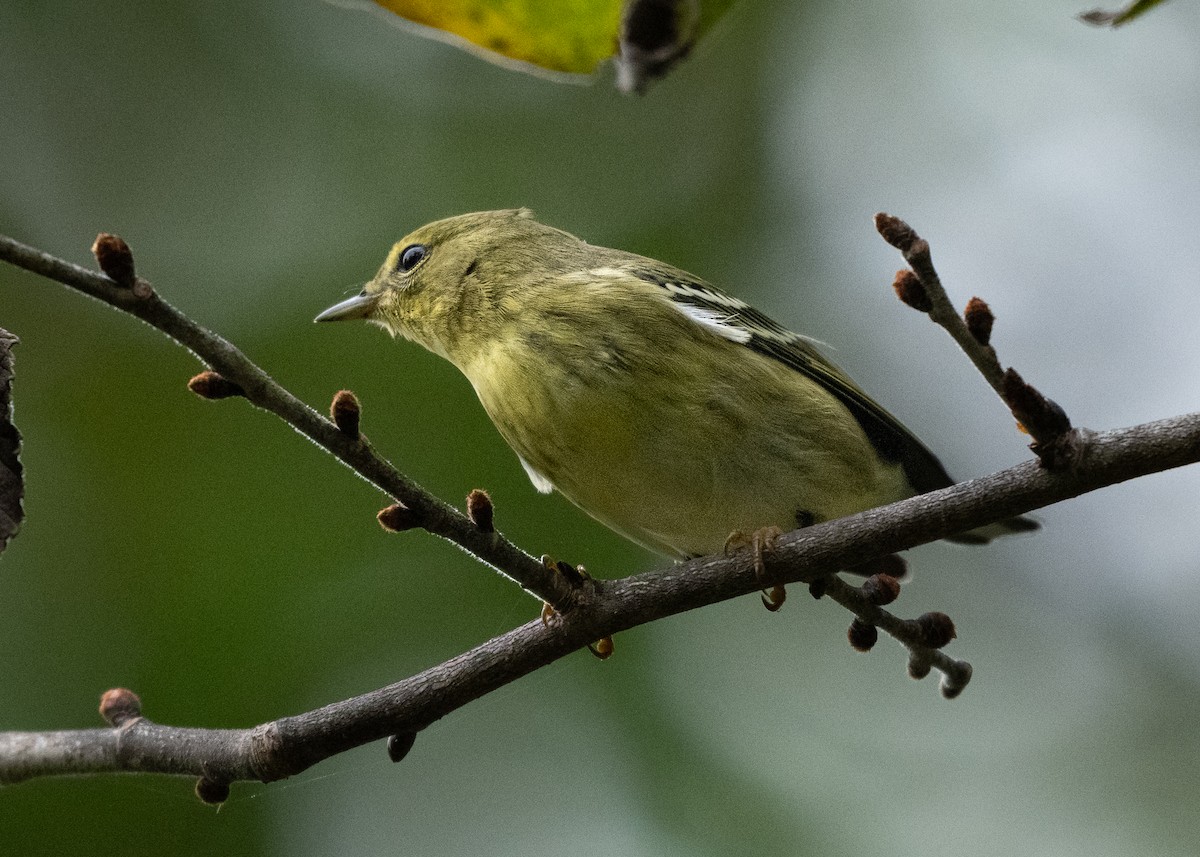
{"type": "Point", "coordinates": [359, 306]}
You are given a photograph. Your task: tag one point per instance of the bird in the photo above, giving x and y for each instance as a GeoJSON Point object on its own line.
{"type": "Point", "coordinates": [674, 413]}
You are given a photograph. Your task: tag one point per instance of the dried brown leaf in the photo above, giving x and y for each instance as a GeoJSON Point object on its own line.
{"type": "Point", "coordinates": [12, 482]}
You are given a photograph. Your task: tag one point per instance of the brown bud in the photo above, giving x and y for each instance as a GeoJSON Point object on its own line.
{"type": "Point", "coordinates": [119, 705]}
{"type": "Point", "coordinates": [115, 259]}
{"type": "Point", "coordinates": [910, 290]}
{"type": "Point", "coordinates": [398, 745]}
{"type": "Point", "coordinates": [212, 792]}
{"type": "Point", "coordinates": [773, 598]}
{"type": "Point", "coordinates": [979, 319]}
{"type": "Point", "coordinates": [937, 629]}
{"type": "Point", "coordinates": [918, 666]}
{"type": "Point", "coordinates": [862, 635]}
{"type": "Point", "coordinates": [919, 256]}
{"type": "Point", "coordinates": [881, 589]}
{"type": "Point", "coordinates": [346, 413]}
{"type": "Point", "coordinates": [895, 231]}
{"type": "Point", "coordinates": [602, 648]}
{"type": "Point", "coordinates": [397, 518]}
{"type": "Point", "coordinates": [210, 385]}
{"type": "Point", "coordinates": [1041, 417]}
{"type": "Point", "coordinates": [480, 510]}
{"type": "Point", "coordinates": [954, 684]}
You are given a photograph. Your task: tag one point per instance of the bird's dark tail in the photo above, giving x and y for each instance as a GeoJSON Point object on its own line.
{"type": "Point", "coordinates": [983, 535]}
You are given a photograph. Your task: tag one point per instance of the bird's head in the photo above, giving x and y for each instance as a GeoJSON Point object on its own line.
{"type": "Point", "coordinates": [443, 285]}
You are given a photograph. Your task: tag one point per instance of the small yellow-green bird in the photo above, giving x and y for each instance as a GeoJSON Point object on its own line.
{"type": "Point", "coordinates": [668, 410]}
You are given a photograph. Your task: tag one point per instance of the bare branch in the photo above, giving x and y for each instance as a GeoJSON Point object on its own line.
{"type": "Point", "coordinates": [924, 291]}
{"type": "Point", "coordinates": [588, 610]}
{"type": "Point", "coordinates": [234, 367]}
{"type": "Point", "coordinates": [1054, 441]}
{"type": "Point", "coordinates": [289, 745]}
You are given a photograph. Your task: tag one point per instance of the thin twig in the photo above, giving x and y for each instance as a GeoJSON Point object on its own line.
{"type": "Point", "coordinates": [1055, 442]}
{"type": "Point", "coordinates": [432, 513]}
{"type": "Point", "coordinates": [916, 252]}
{"type": "Point", "coordinates": [907, 631]}
{"type": "Point", "coordinates": [601, 608]}
{"type": "Point", "coordinates": [239, 377]}
{"type": "Point", "coordinates": [289, 745]}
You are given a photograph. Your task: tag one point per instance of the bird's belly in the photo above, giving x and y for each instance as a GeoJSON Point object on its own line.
{"type": "Point", "coordinates": [680, 480]}
{"type": "Point", "coordinates": [691, 506]}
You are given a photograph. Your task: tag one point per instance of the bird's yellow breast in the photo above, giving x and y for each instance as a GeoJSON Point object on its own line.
{"type": "Point", "coordinates": [675, 446]}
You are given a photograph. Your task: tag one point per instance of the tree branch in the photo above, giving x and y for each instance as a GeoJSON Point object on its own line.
{"type": "Point", "coordinates": [1054, 441]}
{"type": "Point", "coordinates": [428, 511]}
{"type": "Point", "coordinates": [589, 609]}
{"type": "Point", "coordinates": [291, 744]}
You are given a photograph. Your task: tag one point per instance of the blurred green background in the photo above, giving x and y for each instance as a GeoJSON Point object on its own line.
{"type": "Point", "coordinates": [260, 158]}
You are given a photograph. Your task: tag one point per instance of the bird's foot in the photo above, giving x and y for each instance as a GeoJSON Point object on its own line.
{"type": "Point", "coordinates": [761, 542]}
{"type": "Point", "coordinates": [576, 575]}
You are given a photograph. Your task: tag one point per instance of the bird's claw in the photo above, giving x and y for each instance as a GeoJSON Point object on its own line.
{"type": "Point", "coordinates": [575, 574]}
{"type": "Point", "coordinates": [761, 542]}
{"type": "Point", "coordinates": [602, 648]}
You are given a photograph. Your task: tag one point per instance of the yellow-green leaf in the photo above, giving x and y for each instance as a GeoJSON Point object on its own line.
{"type": "Point", "coordinates": [646, 37]}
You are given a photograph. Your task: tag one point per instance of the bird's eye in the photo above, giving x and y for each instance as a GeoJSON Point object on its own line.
{"type": "Point", "coordinates": [411, 255]}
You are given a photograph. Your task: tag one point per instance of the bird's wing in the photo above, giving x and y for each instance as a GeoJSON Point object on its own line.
{"type": "Point", "coordinates": [739, 322]}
